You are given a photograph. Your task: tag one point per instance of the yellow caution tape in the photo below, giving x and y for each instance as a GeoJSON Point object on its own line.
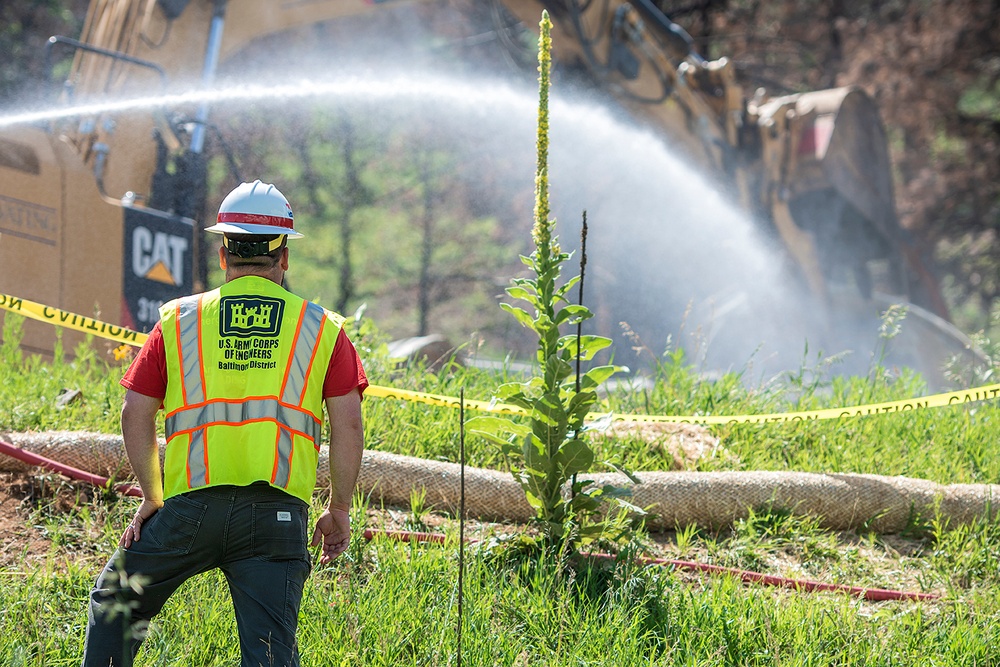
{"type": "Point", "coordinates": [68, 320]}
{"type": "Point", "coordinates": [443, 401]}
{"type": "Point", "coordinates": [89, 325]}
{"type": "Point", "coordinates": [935, 401]}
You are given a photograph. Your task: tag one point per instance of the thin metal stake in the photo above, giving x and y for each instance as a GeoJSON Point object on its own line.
{"type": "Point", "coordinates": [461, 515]}
{"type": "Point", "coordinates": [583, 267]}
{"type": "Point", "coordinates": [579, 325]}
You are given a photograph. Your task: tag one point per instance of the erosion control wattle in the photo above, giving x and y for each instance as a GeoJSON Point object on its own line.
{"type": "Point", "coordinates": [873, 594]}
{"type": "Point", "coordinates": [840, 501]}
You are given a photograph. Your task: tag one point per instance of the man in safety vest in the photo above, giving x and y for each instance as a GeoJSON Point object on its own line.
{"type": "Point", "coordinates": [242, 373]}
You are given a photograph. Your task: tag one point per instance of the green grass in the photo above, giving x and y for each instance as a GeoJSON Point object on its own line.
{"type": "Point", "coordinates": [30, 388]}
{"type": "Point", "coordinates": [387, 603]}
{"type": "Point", "coordinates": [390, 603]}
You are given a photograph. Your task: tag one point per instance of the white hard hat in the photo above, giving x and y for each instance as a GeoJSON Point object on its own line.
{"type": "Point", "coordinates": [255, 208]}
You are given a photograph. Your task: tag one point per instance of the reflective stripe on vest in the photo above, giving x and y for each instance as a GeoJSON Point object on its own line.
{"type": "Point", "coordinates": [197, 466]}
{"type": "Point", "coordinates": [311, 322]}
{"type": "Point", "coordinates": [283, 461]}
{"type": "Point", "coordinates": [232, 413]}
{"type": "Point", "coordinates": [188, 333]}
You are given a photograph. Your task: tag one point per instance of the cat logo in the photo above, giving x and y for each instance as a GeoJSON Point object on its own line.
{"type": "Point", "coordinates": [245, 316]}
{"type": "Point", "coordinates": [158, 256]}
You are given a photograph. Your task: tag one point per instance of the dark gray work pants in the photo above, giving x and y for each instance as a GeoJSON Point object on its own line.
{"type": "Point", "coordinates": [257, 536]}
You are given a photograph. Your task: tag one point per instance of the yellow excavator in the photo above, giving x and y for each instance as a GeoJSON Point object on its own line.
{"type": "Point", "coordinates": [99, 216]}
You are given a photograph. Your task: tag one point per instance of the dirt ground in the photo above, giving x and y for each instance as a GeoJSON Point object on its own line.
{"type": "Point", "coordinates": [20, 493]}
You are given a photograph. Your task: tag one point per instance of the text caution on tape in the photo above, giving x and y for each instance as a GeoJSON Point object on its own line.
{"type": "Point", "coordinates": [100, 329]}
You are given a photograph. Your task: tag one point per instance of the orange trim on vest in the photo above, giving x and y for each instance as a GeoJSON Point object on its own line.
{"type": "Point", "coordinates": [237, 401]}
{"type": "Point", "coordinates": [257, 420]}
{"type": "Point", "coordinates": [261, 420]}
{"type": "Point", "coordinates": [187, 468]}
{"type": "Point", "coordinates": [277, 455]}
{"type": "Point", "coordinates": [201, 361]}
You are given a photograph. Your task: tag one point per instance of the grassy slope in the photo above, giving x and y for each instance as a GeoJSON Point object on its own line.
{"type": "Point", "coordinates": [391, 604]}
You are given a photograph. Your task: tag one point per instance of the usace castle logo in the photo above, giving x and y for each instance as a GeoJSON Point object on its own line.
{"type": "Point", "coordinates": [245, 316]}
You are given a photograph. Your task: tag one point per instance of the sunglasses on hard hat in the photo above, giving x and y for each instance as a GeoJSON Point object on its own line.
{"type": "Point", "coordinates": [252, 246]}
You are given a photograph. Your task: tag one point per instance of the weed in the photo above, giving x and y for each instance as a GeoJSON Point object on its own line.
{"type": "Point", "coordinates": [967, 553]}
{"type": "Point", "coordinates": [418, 509]}
{"type": "Point", "coordinates": [685, 538]}
{"type": "Point", "coordinates": [550, 455]}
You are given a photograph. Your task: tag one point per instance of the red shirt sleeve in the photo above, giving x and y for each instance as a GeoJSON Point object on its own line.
{"type": "Point", "coordinates": [147, 374]}
{"type": "Point", "coordinates": [345, 372]}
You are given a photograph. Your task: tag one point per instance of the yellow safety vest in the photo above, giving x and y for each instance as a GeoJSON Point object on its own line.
{"type": "Point", "coordinates": [245, 371]}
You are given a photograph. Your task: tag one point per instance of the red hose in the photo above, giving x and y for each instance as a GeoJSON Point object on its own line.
{"type": "Point", "coordinates": [71, 472]}
{"type": "Point", "coordinates": [805, 585]}
{"type": "Point", "coordinates": [874, 594]}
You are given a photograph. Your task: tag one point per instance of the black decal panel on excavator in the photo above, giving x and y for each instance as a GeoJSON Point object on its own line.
{"type": "Point", "coordinates": [157, 264]}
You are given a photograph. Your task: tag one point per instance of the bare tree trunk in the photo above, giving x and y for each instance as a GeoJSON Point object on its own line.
{"type": "Point", "coordinates": [351, 199]}
{"type": "Point", "coordinates": [425, 279]}
{"type": "Point", "coordinates": [835, 55]}
{"type": "Point", "coordinates": [309, 177]}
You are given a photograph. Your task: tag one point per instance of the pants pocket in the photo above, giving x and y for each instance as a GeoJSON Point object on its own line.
{"type": "Point", "coordinates": [175, 527]}
{"type": "Point", "coordinates": [279, 531]}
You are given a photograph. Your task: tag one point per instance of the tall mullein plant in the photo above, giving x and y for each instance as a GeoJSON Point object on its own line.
{"type": "Point", "coordinates": [550, 454]}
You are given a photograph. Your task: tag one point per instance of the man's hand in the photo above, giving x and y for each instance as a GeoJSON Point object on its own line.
{"type": "Point", "coordinates": [347, 443]}
{"type": "Point", "coordinates": [333, 529]}
{"type": "Point", "coordinates": [147, 509]}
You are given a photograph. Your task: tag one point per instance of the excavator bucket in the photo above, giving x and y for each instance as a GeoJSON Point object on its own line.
{"type": "Point", "coordinates": [856, 159]}
{"type": "Point", "coordinates": [830, 161]}
{"type": "Point", "coordinates": [842, 141]}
